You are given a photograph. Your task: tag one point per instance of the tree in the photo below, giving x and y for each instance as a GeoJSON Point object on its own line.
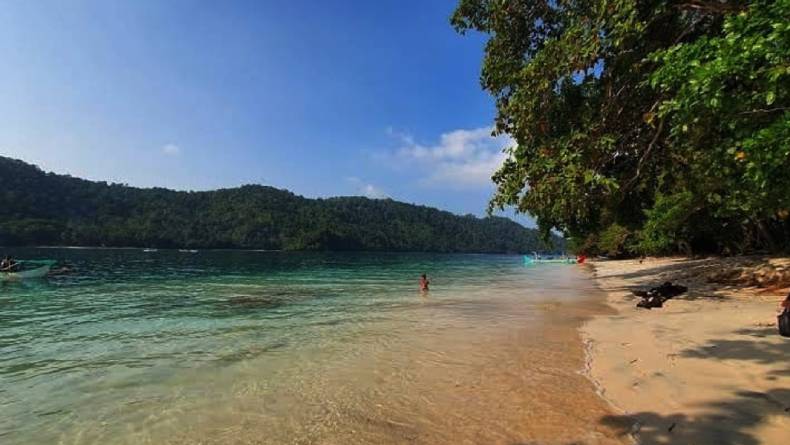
{"type": "Point", "coordinates": [616, 103]}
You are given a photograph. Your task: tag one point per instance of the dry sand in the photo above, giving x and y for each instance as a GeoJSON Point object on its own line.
{"type": "Point", "coordinates": [707, 368]}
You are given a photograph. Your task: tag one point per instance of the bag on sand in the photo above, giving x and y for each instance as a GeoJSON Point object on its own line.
{"type": "Point", "coordinates": [783, 321]}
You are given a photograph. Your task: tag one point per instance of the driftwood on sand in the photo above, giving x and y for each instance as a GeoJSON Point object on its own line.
{"type": "Point", "coordinates": [656, 296]}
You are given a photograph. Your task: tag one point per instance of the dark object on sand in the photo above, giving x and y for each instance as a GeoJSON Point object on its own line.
{"type": "Point", "coordinates": [651, 302]}
{"type": "Point", "coordinates": [656, 296]}
{"type": "Point", "coordinates": [783, 321]}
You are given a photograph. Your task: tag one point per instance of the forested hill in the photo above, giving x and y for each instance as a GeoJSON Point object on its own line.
{"type": "Point", "coordinates": [38, 208]}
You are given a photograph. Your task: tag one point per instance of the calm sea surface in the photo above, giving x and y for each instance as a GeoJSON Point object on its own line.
{"type": "Point", "coordinates": [302, 348]}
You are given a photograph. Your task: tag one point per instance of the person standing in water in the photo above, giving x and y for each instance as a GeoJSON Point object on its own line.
{"type": "Point", "coordinates": [424, 283]}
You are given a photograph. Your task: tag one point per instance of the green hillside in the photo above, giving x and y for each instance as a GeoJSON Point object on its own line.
{"type": "Point", "coordinates": [38, 208]}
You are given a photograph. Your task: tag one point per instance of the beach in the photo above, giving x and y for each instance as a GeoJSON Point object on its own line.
{"type": "Point", "coordinates": [709, 367]}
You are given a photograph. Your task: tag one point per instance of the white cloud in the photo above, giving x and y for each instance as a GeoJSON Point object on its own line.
{"type": "Point", "coordinates": [365, 189]}
{"type": "Point", "coordinates": [462, 159]}
{"type": "Point", "coordinates": [403, 137]}
{"type": "Point", "coordinates": [373, 192]}
{"type": "Point", "coordinates": [171, 150]}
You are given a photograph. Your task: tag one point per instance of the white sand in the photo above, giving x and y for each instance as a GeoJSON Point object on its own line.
{"type": "Point", "coordinates": [707, 368]}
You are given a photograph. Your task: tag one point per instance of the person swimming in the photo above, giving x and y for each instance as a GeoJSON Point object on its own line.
{"type": "Point", "coordinates": [424, 282]}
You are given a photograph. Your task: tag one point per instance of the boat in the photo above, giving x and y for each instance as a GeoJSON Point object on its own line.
{"type": "Point", "coordinates": [150, 250]}
{"type": "Point", "coordinates": [41, 271]}
{"type": "Point", "coordinates": [535, 259]}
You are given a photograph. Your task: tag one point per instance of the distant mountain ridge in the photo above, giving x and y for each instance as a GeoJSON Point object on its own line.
{"type": "Point", "coordinates": [38, 208]}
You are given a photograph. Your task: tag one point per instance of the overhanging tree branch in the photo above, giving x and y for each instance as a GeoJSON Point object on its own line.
{"type": "Point", "coordinates": [716, 7]}
{"type": "Point", "coordinates": [646, 154]}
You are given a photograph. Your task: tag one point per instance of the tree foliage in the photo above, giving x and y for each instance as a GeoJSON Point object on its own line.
{"type": "Point", "coordinates": [37, 208]}
{"type": "Point", "coordinates": [670, 119]}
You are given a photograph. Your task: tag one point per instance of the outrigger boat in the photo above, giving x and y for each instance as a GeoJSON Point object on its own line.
{"type": "Point", "coordinates": [537, 259]}
{"type": "Point", "coordinates": [40, 271]}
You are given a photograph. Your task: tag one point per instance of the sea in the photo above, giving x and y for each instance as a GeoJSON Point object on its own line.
{"type": "Point", "coordinates": [252, 347]}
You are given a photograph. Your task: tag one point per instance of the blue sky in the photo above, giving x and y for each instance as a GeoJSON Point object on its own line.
{"type": "Point", "coordinates": [324, 98]}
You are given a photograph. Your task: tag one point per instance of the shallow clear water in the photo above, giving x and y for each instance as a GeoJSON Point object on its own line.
{"type": "Point", "coordinates": [272, 347]}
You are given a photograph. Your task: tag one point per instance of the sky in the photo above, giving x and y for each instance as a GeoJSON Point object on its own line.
{"type": "Point", "coordinates": [323, 98]}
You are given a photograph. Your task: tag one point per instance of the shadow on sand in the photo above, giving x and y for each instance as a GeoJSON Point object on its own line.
{"type": "Point", "coordinates": [692, 267]}
{"type": "Point", "coordinates": [753, 348]}
{"type": "Point", "coordinates": [725, 422]}
{"type": "Point", "coordinates": [731, 420]}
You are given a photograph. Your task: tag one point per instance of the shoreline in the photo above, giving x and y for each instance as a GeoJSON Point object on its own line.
{"type": "Point", "coordinates": [233, 249]}
{"type": "Point", "coordinates": [708, 367]}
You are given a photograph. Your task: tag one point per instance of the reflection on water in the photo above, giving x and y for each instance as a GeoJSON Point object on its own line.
{"type": "Point", "coordinates": [268, 347]}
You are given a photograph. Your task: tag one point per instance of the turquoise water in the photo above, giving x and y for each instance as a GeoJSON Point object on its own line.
{"type": "Point", "coordinates": [270, 347]}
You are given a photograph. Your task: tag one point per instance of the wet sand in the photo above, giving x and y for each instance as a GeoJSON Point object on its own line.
{"type": "Point", "coordinates": [707, 368]}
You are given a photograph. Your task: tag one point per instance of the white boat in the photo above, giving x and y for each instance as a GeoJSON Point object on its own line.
{"type": "Point", "coordinates": [150, 250]}
{"type": "Point", "coordinates": [537, 259]}
{"type": "Point", "coordinates": [38, 272]}
{"type": "Point", "coordinates": [529, 260]}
